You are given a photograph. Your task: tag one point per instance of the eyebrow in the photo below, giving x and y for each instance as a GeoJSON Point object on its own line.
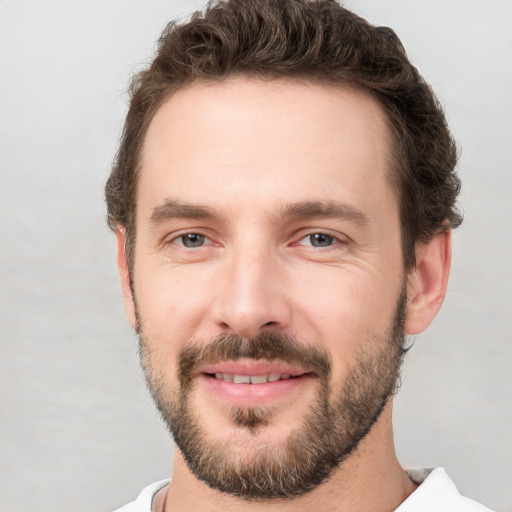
{"type": "Point", "coordinates": [324, 209]}
{"type": "Point", "coordinates": [175, 209]}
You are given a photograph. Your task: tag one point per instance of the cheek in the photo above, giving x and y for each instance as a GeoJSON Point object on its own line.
{"type": "Point", "coordinates": [345, 310]}
{"type": "Point", "coordinates": [342, 295]}
{"type": "Point", "coordinates": [171, 304]}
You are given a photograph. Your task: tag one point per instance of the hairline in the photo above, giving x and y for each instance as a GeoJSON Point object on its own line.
{"type": "Point", "coordinates": [395, 157]}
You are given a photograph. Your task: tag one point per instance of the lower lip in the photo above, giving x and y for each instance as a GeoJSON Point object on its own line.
{"type": "Point", "coordinates": [253, 394]}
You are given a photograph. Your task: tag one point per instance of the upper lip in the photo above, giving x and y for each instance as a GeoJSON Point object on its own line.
{"type": "Point", "coordinates": [252, 367]}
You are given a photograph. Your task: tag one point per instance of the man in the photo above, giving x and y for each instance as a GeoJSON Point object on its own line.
{"type": "Point", "coordinates": [283, 199]}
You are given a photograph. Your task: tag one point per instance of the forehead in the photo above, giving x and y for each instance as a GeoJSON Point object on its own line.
{"type": "Point", "coordinates": [246, 140]}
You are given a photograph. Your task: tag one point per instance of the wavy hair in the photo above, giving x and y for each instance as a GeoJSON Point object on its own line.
{"type": "Point", "coordinates": [318, 41]}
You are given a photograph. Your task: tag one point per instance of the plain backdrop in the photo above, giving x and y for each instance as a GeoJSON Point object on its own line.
{"type": "Point", "coordinates": [77, 429]}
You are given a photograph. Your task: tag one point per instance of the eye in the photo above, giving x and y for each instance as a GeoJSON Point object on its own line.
{"type": "Point", "coordinates": [318, 240]}
{"type": "Point", "coordinates": [191, 240]}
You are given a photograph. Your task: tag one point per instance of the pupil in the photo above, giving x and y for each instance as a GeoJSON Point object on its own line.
{"type": "Point", "coordinates": [321, 240]}
{"type": "Point", "coordinates": [193, 240]}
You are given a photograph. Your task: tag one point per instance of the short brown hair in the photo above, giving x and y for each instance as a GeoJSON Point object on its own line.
{"type": "Point", "coordinates": [316, 41]}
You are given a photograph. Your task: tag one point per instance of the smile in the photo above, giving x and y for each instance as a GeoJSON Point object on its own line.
{"type": "Point", "coordinates": [253, 384]}
{"type": "Point", "coordinates": [252, 379]}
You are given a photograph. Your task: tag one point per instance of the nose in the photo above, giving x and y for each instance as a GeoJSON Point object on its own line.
{"type": "Point", "coordinates": [252, 296]}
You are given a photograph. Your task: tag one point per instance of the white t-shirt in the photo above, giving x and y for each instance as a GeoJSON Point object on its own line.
{"type": "Point", "coordinates": [436, 493]}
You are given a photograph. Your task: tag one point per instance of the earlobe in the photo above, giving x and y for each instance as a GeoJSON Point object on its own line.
{"type": "Point", "coordinates": [124, 274]}
{"type": "Point", "coordinates": [427, 282]}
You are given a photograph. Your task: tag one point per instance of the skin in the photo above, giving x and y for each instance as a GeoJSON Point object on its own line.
{"type": "Point", "coordinates": [248, 151]}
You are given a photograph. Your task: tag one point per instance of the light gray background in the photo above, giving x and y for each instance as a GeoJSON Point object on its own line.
{"type": "Point", "coordinates": [78, 431]}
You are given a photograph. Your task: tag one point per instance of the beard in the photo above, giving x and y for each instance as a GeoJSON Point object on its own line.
{"type": "Point", "coordinates": [339, 418]}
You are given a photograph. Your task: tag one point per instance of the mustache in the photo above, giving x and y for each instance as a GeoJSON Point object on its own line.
{"type": "Point", "coordinates": [265, 346]}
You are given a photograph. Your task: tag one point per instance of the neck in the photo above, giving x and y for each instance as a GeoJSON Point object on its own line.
{"type": "Point", "coordinates": [370, 479]}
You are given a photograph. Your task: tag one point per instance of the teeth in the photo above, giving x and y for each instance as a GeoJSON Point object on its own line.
{"type": "Point", "coordinates": [258, 379]}
{"type": "Point", "coordinates": [241, 379]}
{"type": "Point", "coordinates": [252, 379]}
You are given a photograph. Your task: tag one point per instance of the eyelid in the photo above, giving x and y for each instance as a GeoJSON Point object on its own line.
{"type": "Point", "coordinates": [174, 238]}
{"type": "Point", "coordinates": [180, 239]}
{"type": "Point", "coordinates": [338, 238]}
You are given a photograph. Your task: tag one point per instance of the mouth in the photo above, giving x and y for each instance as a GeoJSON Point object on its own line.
{"type": "Point", "coordinates": [253, 379]}
{"type": "Point", "coordinates": [251, 383]}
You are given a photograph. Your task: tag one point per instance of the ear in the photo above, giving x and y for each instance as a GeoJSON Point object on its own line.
{"type": "Point", "coordinates": [427, 282]}
{"type": "Point", "coordinates": [124, 274]}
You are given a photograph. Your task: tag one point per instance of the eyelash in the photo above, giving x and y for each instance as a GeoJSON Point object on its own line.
{"type": "Point", "coordinates": [331, 239]}
{"type": "Point", "coordinates": [183, 236]}
{"type": "Point", "coordinates": [320, 234]}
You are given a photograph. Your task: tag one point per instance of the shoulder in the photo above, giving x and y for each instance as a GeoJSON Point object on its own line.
{"type": "Point", "coordinates": [437, 493]}
{"type": "Point", "coordinates": [144, 499]}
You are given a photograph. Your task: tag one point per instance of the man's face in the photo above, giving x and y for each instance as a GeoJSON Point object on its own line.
{"type": "Point", "coordinates": [268, 250]}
